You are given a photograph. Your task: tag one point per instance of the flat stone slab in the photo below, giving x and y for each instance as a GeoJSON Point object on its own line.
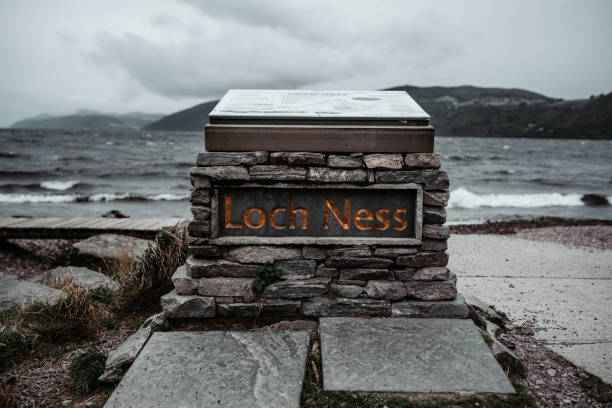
{"type": "Point", "coordinates": [21, 293]}
{"type": "Point", "coordinates": [408, 355]}
{"type": "Point", "coordinates": [81, 276]}
{"type": "Point", "coordinates": [220, 369]}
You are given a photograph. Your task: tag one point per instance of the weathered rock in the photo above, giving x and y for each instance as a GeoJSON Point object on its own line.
{"type": "Point", "coordinates": [262, 254]}
{"type": "Point", "coordinates": [200, 212]}
{"type": "Point", "coordinates": [107, 248]}
{"type": "Point", "coordinates": [595, 200]}
{"type": "Point", "coordinates": [352, 282]}
{"type": "Point", "coordinates": [157, 322]}
{"type": "Point", "coordinates": [200, 196]}
{"type": "Point", "coordinates": [324, 272]}
{"type": "Point", "coordinates": [434, 245]}
{"type": "Point", "coordinates": [195, 241]}
{"type": "Point", "coordinates": [390, 290]}
{"type": "Point", "coordinates": [436, 198]}
{"type": "Point", "coordinates": [404, 274]}
{"type": "Point", "coordinates": [434, 215]}
{"type": "Point", "coordinates": [199, 228]}
{"type": "Point", "coordinates": [183, 283]}
{"type": "Point", "coordinates": [273, 172]}
{"type": "Point", "coordinates": [323, 306]}
{"type": "Point", "coordinates": [330, 175]}
{"type": "Point", "coordinates": [297, 289]}
{"type": "Point", "coordinates": [363, 274]}
{"type": "Point", "coordinates": [208, 268]}
{"type": "Point", "coordinates": [227, 299]}
{"type": "Point", "coordinates": [270, 307]}
{"type": "Point", "coordinates": [20, 293]}
{"type": "Point", "coordinates": [293, 325]}
{"type": "Point", "coordinates": [227, 287]}
{"type": "Point", "coordinates": [431, 273]}
{"type": "Point", "coordinates": [394, 252]}
{"type": "Point", "coordinates": [423, 160]}
{"type": "Point", "coordinates": [436, 231]}
{"type": "Point", "coordinates": [231, 158]}
{"type": "Point", "coordinates": [384, 161]}
{"type": "Point", "coordinates": [297, 269]}
{"type": "Point", "coordinates": [313, 253]}
{"type": "Point", "coordinates": [423, 259]}
{"type": "Point", "coordinates": [348, 291]}
{"type": "Point", "coordinates": [435, 290]}
{"type": "Point", "coordinates": [432, 179]}
{"type": "Point", "coordinates": [298, 158]}
{"type": "Point", "coordinates": [81, 276]}
{"type": "Point", "coordinates": [347, 162]}
{"type": "Point", "coordinates": [200, 182]}
{"type": "Point", "coordinates": [205, 251]}
{"type": "Point", "coordinates": [358, 251]}
{"type": "Point", "coordinates": [119, 360]}
{"type": "Point", "coordinates": [221, 172]}
{"type": "Point", "coordinates": [502, 353]}
{"type": "Point", "coordinates": [439, 309]}
{"type": "Point", "coordinates": [183, 306]}
{"type": "Point", "coordinates": [352, 262]}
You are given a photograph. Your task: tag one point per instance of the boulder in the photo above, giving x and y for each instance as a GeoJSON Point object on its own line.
{"type": "Point", "coordinates": [15, 292]}
{"type": "Point", "coordinates": [107, 248]}
{"type": "Point", "coordinates": [182, 306]}
{"type": "Point", "coordinates": [81, 276]}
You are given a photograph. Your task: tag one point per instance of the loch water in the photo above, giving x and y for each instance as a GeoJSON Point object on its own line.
{"type": "Point", "coordinates": [146, 175]}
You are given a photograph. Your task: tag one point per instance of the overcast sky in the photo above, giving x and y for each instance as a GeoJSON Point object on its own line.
{"type": "Point", "coordinates": [161, 56]}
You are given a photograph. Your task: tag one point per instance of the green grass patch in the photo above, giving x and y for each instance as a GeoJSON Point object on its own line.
{"type": "Point", "coordinates": [85, 370]}
{"type": "Point", "coordinates": [264, 275]}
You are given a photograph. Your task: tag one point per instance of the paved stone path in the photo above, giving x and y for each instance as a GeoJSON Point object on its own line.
{"type": "Point", "coordinates": [210, 369]}
{"type": "Point", "coordinates": [565, 290]}
{"type": "Point", "coordinates": [408, 355]}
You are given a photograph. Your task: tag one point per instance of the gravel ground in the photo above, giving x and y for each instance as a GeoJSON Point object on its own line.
{"type": "Point", "coordinates": [550, 379]}
{"type": "Point", "coordinates": [592, 236]}
{"type": "Point", "coordinates": [30, 257]}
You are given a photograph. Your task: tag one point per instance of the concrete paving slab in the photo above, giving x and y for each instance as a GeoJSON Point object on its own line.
{"type": "Point", "coordinates": [566, 291]}
{"type": "Point", "coordinates": [408, 355]}
{"type": "Point", "coordinates": [221, 369]}
{"type": "Point", "coordinates": [596, 356]}
{"type": "Point", "coordinates": [499, 255]}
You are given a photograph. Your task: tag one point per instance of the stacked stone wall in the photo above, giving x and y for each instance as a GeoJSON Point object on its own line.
{"type": "Point", "coordinates": [317, 280]}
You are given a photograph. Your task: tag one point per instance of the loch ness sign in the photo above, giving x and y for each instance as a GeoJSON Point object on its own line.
{"type": "Point", "coordinates": [385, 214]}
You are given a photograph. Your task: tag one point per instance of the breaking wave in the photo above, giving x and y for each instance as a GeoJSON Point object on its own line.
{"type": "Point", "coordinates": [59, 184]}
{"type": "Point", "coordinates": [78, 198]}
{"type": "Point", "coordinates": [463, 198]}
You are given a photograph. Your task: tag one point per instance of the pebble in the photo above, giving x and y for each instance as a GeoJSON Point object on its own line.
{"type": "Point", "coordinates": [551, 372]}
{"type": "Point", "coordinates": [66, 402]}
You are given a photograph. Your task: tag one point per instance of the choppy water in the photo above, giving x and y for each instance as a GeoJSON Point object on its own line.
{"type": "Point", "coordinates": [146, 175]}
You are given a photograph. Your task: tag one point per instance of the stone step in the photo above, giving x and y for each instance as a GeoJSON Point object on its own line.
{"type": "Point", "coordinates": [408, 355]}
{"type": "Point", "coordinates": [220, 369]}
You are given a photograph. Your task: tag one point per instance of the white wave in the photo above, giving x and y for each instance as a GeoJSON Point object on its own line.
{"type": "Point", "coordinates": [59, 184]}
{"type": "Point", "coordinates": [37, 198]}
{"type": "Point", "coordinates": [168, 197]}
{"type": "Point", "coordinates": [463, 198]}
{"type": "Point", "coordinates": [107, 197]}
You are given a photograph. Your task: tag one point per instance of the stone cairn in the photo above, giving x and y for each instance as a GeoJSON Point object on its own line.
{"type": "Point", "coordinates": [317, 280]}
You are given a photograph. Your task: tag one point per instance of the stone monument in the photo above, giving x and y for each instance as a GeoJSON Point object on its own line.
{"type": "Point", "coordinates": [317, 203]}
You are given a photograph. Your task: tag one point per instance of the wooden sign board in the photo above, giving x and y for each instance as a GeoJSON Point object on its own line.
{"type": "Point", "coordinates": [383, 214]}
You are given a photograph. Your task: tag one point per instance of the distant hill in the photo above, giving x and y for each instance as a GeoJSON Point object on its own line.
{"type": "Point", "coordinates": [474, 111]}
{"type": "Point", "coordinates": [192, 119]}
{"type": "Point", "coordinates": [90, 120]}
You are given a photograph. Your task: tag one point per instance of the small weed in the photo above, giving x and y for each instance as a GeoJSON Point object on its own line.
{"type": "Point", "coordinates": [265, 275]}
{"type": "Point", "coordinates": [101, 294]}
{"type": "Point", "coordinates": [332, 293]}
{"type": "Point", "coordinates": [501, 319]}
{"type": "Point", "coordinates": [13, 346]}
{"type": "Point", "coordinates": [85, 370]}
{"type": "Point", "coordinates": [7, 396]}
{"type": "Point", "coordinates": [597, 389]}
